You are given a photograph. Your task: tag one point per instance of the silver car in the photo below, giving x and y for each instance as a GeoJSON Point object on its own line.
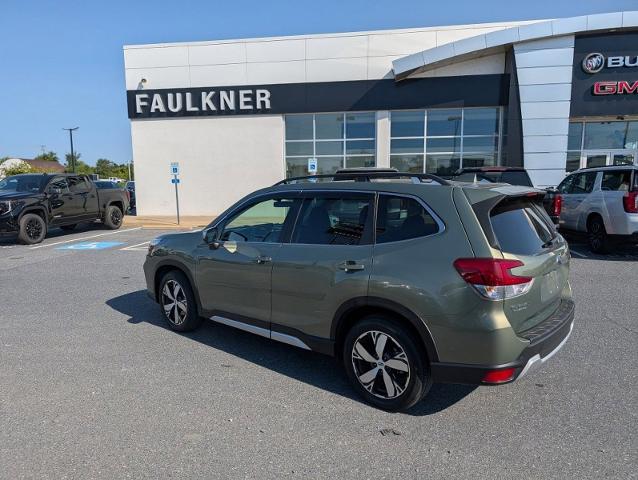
{"type": "Point", "coordinates": [603, 202]}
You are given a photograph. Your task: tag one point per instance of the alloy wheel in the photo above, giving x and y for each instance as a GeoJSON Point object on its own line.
{"type": "Point", "coordinates": [116, 216]}
{"type": "Point", "coordinates": [174, 302]}
{"type": "Point", "coordinates": [380, 364]}
{"type": "Point", "coordinates": [34, 229]}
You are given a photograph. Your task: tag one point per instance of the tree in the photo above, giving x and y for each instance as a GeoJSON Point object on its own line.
{"type": "Point", "coordinates": [14, 167]}
{"type": "Point", "coordinates": [105, 168]}
{"type": "Point", "coordinates": [78, 163]}
{"type": "Point", "coordinates": [49, 156]}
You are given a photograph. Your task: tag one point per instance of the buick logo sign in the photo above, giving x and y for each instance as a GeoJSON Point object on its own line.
{"type": "Point", "coordinates": [593, 63]}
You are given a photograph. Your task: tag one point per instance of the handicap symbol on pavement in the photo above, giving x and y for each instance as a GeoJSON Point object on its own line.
{"type": "Point", "coordinates": [90, 246]}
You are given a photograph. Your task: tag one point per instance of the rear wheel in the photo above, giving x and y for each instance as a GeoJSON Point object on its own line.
{"type": "Point", "coordinates": [113, 217]}
{"type": "Point", "coordinates": [177, 301]}
{"type": "Point", "coordinates": [33, 229]}
{"type": "Point", "coordinates": [69, 227]}
{"type": "Point", "coordinates": [597, 235]}
{"type": "Point", "coordinates": [385, 365]}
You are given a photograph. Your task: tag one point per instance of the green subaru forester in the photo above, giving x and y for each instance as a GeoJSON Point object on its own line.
{"type": "Point", "coordinates": [408, 278]}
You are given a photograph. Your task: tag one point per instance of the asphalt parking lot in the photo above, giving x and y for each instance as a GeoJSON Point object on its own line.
{"type": "Point", "coordinates": [93, 385]}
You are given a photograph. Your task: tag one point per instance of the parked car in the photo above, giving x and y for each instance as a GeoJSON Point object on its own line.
{"type": "Point", "coordinates": [30, 204]}
{"type": "Point", "coordinates": [552, 202]}
{"type": "Point", "coordinates": [130, 187]}
{"type": "Point", "coordinates": [602, 202]}
{"type": "Point", "coordinates": [409, 279]}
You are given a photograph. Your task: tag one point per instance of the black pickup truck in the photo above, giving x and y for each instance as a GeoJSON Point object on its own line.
{"type": "Point", "coordinates": [30, 204]}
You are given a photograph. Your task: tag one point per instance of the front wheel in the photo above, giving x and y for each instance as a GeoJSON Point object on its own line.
{"type": "Point", "coordinates": [385, 365]}
{"type": "Point", "coordinates": [113, 217]}
{"type": "Point", "coordinates": [33, 229]}
{"type": "Point", "coordinates": [178, 302]}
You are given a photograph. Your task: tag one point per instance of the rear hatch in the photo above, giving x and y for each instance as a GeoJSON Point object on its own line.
{"type": "Point", "coordinates": [516, 224]}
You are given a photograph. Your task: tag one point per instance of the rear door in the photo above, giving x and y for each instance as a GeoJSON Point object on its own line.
{"type": "Point", "coordinates": [614, 185]}
{"type": "Point", "coordinates": [524, 232]}
{"type": "Point", "coordinates": [84, 196]}
{"type": "Point", "coordinates": [328, 261]}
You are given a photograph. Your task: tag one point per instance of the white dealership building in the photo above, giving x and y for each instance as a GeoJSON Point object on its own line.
{"type": "Point", "coordinates": [238, 115]}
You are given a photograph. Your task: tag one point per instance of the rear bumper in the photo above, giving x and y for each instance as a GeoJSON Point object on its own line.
{"type": "Point", "coordinates": [546, 339]}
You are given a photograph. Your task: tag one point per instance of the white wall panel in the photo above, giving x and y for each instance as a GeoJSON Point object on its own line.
{"type": "Point", "coordinates": [551, 93]}
{"type": "Point", "coordinates": [400, 43]}
{"type": "Point", "coordinates": [337, 47]}
{"type": "Point", "coordinates": [549, 160]}
{"type": "Point", "coordinates": [217, 54]}
{"type": "Point", "coordinates": [544, 144]}
{"type": "Point", "coordinates": [565, 41]}
{"type": "Point", "coordinates": [166, 77]}
{"type": "Point", "coordinates": [544, 75]}
{"type": "Point", "coordinates": [451, 35]}
{"type": "Point", "coordinates": [336, 69]}
{"type": "Point", "coordinates": [491, 64]}
{"type": "Point", "coordinates": [562, 26]}
{"type": "Point", "coordinates": [380, 67]}
{"type": "Point", "coordinates": [276, 72]}
{"type": "Point", "coordinates": [604, 20]}
{"type": "Point", "coordinates": [545, 110]}
{"type": "Point", "coordinates": [541, 58]}
{"type": "Point", "coordinates": [156, 57]}
{"type": "Point", "coordinates": [218, 75]}
{"type": "Point", "coordinates": [545, 126]}
{"type": "Point", "coordinates": [276, 51]}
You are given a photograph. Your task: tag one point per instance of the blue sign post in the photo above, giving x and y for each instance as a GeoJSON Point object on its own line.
{"type": "Point", "coordinates": [175, 181]}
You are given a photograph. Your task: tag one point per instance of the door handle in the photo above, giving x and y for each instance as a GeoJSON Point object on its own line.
{"type": "Point", "coordinates": [262, 259]}
{"type": "Point", "coordinates": [351, 266]}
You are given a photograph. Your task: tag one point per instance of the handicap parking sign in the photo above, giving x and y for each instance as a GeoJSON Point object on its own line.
{"type": "Point", "coordinates": [90, 246]}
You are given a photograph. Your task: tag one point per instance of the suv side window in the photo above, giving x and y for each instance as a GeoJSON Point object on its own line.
{"type": "Point", "coordinates": [78, 184]}
{"type": "Point", "coordinates": [616, 181]}
{"type": "Point", "coordinates": [335, 219]}
{"type": "Point", "coordinates": [260, 222]}
{"type": "Point", "coordinates": [566, 185]}
{"type": "Point", "coordinates": [584, 182]}
{"type": "Point", "coordinates": [402, 218]}
{"type": "Point", "coordinates": [58, 183]}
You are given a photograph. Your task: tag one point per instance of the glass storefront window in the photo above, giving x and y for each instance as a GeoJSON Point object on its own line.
{"type": "Point", "coordinates": [336, 140]}
{"type": "Point", "coordinates": [573, 161]}
{"type": "Point", "coordinates": [444, 140]}
{"type": "Point", "coordinates": [575, 136]}
{"type": "Point", "coordinates": [601, 135]}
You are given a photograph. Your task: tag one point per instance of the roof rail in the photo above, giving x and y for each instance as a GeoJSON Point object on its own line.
{"type": "Point", "coordinates": [366, 176]}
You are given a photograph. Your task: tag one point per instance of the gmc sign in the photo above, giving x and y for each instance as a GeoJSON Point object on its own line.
{"type": "Point", "coordinates": [621, 87]}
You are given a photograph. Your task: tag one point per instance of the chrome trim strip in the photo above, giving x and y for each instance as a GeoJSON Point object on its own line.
{"type": "Point", "coordinates": [242, 326]}
{"type": "Point", "coordinates": [289, 339]}
{"type": "Point", "coordinates": [537, 359]}
{"type": "Point", "coordinates": [280, 337]}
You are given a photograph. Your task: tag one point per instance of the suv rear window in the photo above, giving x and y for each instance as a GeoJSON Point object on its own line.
{"type": "Point", "coordinates": [617, 180]}
{"type": "Point", "coordinates": [521, 227]}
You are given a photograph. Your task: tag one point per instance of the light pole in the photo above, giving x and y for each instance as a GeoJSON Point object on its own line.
{"type": "Point", "coordinates": [71, 130]}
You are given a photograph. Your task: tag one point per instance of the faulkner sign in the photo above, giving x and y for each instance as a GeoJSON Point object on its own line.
{"type": "Point", "coordinates": [370, 95]}
{"type": "Point", "coordinates": [605, 75]}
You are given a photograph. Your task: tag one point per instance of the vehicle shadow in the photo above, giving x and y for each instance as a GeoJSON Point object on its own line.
{"type": "Point", "coordinates": [12, 238]}
{"type": "Point", "coordinates": [617, 252]}
{"type": "Point", "coordinates": [312, 368]}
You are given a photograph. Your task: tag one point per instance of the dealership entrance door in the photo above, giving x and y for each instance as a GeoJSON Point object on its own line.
{"type": "Point", "coordinates": [600, 158]}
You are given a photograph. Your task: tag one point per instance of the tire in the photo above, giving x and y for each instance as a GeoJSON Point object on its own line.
{"type": "Point", "coordinates": [33, 229]}
{"type": "Point", "coordinates": [384, 386]}
{"type": "Point", "coordinates": [182, 315]}
{"type": "Point", "coordinates": [113, 217]}
{"type": "Point", "coordinates": [597, 235]}
{"type": "Point", "coordinates": [68, 228]}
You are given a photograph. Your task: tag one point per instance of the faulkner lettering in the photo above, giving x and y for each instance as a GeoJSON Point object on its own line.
{"type": "Point", "coordinates": [222, 101]}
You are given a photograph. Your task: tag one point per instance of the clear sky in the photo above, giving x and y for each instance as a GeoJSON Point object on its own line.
{"type": "Point", "coordinates": [61, 61]}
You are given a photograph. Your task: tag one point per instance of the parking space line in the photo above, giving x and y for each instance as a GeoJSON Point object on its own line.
{"type": "Point", "coordinates": [136, 247]}
{"type": "Point", "coordinates": [581, 255]}
{"type": "Point", "coordinates": [84, 238]}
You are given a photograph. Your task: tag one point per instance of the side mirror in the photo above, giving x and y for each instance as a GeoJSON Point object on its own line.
{"type": "Point", "coordinates": [55, 191]}
{"type": "Point", "coordinates": [210, 237]}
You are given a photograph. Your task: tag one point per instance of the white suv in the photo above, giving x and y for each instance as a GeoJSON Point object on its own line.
{"type": "Point", "coordinates": [603, 202]}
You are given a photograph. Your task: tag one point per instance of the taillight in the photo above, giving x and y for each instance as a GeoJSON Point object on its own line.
{"type": "Point", "coordinates": [492, 278]}
{"type": "Point", "coordinates": [499, 376]}
{"type": "Point", "coordinates": [630, 202]}
{"type": "Point", "coordinates": [557, 206]}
